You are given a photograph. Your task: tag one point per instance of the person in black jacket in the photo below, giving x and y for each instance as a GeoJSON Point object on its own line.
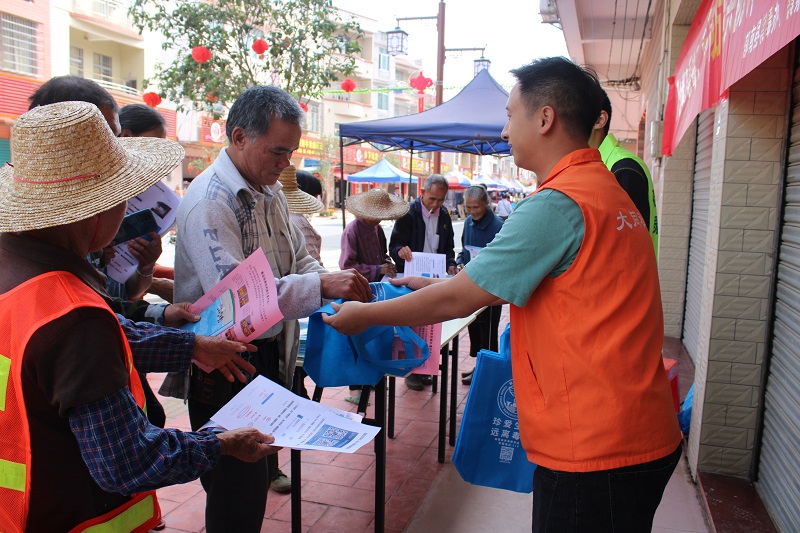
{"type": "Point", "coordinates": [426, 228]}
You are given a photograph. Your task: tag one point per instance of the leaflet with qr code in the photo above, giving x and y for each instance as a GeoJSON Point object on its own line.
{"type": "Point", "coordinates": [295, 422]}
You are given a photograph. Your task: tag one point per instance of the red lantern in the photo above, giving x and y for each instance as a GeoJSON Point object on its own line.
{"type": "Point", "coordinates": [151, 99]}
{"type": "Point", "coordinates": [260, 46]}
{"type": "Point", "coordinates": [303, 106]}
{"type": "Point", "coordinates": [348, 85]}
{"type": "Point", "coordinates": [201, 54]}
{"type": "Point", "coordinates": [211, 98]}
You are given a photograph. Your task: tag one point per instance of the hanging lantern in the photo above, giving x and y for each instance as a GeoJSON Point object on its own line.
{"type": "Point", "coordinates": [211, 98]}
{"type": "Point", "coordinates": [303, 106]}
{"type": "Point", "coordinates": [348, 85]}
{"type": "Point", "coordinates": [260, 46]}
{"type": "Point", "coordinates": [420, 83]}
{"type": "Point", "coordinates": [151, 99]}
{"type": "Point", "coordinates": [201, 54]}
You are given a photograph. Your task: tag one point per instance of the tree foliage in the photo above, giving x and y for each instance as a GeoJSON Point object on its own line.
{"type": "Point", "coordinates": [309, 47]}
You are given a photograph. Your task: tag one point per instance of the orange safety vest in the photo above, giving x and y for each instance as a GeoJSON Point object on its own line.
{"type": "Point", "coordinates": [591, 389]}
{"type": "Point", "coordinates": [23, 310]}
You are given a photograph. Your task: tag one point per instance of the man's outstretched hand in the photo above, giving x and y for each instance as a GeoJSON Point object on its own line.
{"type": "Point", "coordinates": [223, 354]}
{"type": "Point", "coordinates": [345, 284]}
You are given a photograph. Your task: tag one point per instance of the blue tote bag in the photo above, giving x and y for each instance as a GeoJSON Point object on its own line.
{"type": "Point", "coordinates": [336, 360]}
{"type": "Point", "coordinates": [488, 449]}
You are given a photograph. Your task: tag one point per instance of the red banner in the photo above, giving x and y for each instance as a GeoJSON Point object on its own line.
{"type": "Point", "coordinates": [727, 40]}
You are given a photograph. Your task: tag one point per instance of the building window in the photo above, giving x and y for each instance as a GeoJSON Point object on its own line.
{"type": "Point", "coordinates": [18, 44]}
{"type": "Point", "coordinates": [383, 101]}
{"type": "Point", "coordinates": [102, 67]}
{"type": "Point", "coordinates": [312, 117]}
{"type": "Point", "coordinates": [106, 8]}
{"type": "Point", "coordinates": [383, 59]}
{"type": "Point", "coordinates": [76, 61]}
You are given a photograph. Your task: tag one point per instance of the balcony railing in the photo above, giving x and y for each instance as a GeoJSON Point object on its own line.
{"type": "Point", "coordinates": [115, 86]}
{"type": "Point", "coordinates": [114, 11]}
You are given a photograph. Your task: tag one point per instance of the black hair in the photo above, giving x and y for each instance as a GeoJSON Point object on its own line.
{"type": "Point", "coordinates": [606, 106]}
{"type": "Point", "coordinates": [257, 106]}
{"type": "Point", "coordinates": [72, 88]}
{"type": "Point", "coordinates": [571, 90]}
{"type": "Point", "coordinates": [139, 118]}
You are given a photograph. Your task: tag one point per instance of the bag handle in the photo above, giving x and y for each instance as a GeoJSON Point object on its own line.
{"type": "Point", "coordinates": [505, 343]}
{"type": "Point", "coordinates": [406, 335]}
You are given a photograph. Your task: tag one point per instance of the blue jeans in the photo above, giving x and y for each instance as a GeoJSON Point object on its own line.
{"type": "Point", "coordinates": [620, 500]}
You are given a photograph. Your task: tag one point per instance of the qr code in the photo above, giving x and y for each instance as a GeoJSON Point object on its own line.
{"type": "Point", "coordinates": [328, 443]}
{"type": "Point", "coordinates": [334, 433]}
{"type": "Point", "coordinates": [506, 454]}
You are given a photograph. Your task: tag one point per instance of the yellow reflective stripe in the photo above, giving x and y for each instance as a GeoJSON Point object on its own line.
{"type": "Point", "coordinates": [5, 371]}
{"type": "Point", "coordinates": [131, 518]}
{"type": "Point", "coordinates": [12, 475]}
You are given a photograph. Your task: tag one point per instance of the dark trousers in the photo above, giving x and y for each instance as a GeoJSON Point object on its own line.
{"type": "Point", "coordinates": [236, 491]}
{"type": "Point", "coordinates": [483, 330]}
{"type": "Point", "coordinates": [621, 500]}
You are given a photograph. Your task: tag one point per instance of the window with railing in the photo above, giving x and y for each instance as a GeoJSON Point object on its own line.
{"type": "Point", "coordinates": [106, 8]}
{"type": "Point", "coordinates": [18, 43]}
{"type": "Point", "coordinates": [76, 61]}
{"type": "Point", "coordinates": [103, 67]}
{"type": "Point", "coordinates": [383, 101]}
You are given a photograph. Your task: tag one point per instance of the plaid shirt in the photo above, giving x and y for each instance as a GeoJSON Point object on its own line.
{"type": "Point", "coordinates": [127, 454]}
{"type": "Point", "coordinates": [157, 348]}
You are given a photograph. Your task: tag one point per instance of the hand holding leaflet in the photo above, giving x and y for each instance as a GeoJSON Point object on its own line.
{"type": "Point", "coordinates": [294, 421]}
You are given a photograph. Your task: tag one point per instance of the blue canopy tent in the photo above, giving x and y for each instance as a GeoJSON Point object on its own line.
{"type": "Point", "coordinates": [380, 172]}
{"type": "Point", "coordinates": [470, 122]}
{"type": "Point", "coordinates": [491, 185]}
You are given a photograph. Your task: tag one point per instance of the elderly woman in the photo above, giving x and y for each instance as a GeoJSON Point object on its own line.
{"type": "Point", "coordinates": [479, 229]}
{"type": "Point", "coordinates": [76, 449]}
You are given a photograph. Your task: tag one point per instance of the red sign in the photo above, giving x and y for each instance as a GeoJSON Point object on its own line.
{"type": "Point", "coordinates": [727, 40]}
{"type": "Point", "coordinates": [213, 131]}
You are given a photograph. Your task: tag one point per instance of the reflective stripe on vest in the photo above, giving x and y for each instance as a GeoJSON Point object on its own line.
{"type": "Point", "coordinates": [23, 311]}
{"type": "Point", "coordinates": [612, 153]}
{"type": "Point", "coordinates": [141, 513]}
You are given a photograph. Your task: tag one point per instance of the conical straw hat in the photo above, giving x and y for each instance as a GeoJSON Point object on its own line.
{"type": "Point", "coordinates": [376, 204]}
{"type": "Point", "coordinates": [299, 201]}
{"type": "Point", "coordinates": [69, 166]}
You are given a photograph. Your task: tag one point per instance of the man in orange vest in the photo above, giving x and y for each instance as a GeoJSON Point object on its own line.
{"type": "Point", "coordinates": [594, 403]}
{"type": "Point", "coordinates": [76, 450]}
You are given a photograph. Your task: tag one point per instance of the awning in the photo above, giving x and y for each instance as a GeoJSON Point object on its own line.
{"type": "Point", "coordinates": [726, 41]}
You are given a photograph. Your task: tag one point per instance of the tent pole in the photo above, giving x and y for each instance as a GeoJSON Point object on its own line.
{"type": "Point", "coordinates": [410, 175]}
{"type": "Point", "coordinates": [342, 183]}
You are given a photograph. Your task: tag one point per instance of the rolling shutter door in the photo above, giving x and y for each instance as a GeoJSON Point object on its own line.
{"type": "Point", "coordinates": [779, 461]}
{"type": "Point", "coordinates": [697, 237]}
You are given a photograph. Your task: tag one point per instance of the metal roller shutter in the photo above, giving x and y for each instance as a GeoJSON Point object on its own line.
{"type": "Point", "coordinates": [779, 461]}
{"type": "Point", "coordinates": [697, 237]}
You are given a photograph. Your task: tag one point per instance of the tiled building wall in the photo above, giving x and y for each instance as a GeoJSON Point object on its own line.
{"type": "Point", "coordinates": [747, 168]}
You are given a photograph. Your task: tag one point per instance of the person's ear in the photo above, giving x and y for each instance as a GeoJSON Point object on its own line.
{"type": "Point", "coordinates": [546, 118]}
{"type": "Point", "coordinates": [126, 133]}
{"type": "Point", "coordinates": [238, 138]}
{"type": "Point", "coordinates": [601, 121]}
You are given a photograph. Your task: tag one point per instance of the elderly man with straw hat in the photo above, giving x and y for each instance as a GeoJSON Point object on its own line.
{"type": "Point", "coordinates": [76, 450]}
{"type": "Point", "coordinates": [301, 204]}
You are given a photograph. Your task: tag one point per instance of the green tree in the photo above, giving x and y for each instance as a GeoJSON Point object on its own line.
{"type": "Point", "coordinates": [309, 46]}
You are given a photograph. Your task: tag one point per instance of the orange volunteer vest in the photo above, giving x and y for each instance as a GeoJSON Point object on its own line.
{"type": "Point", "coordinates": [22, 311]}
{"type": "Point", "coordinates": [591, 389]}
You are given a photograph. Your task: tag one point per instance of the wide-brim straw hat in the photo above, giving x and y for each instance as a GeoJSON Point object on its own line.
{"type": "Point", "coordinates": [376, 204]}
{"type": "Point", "coordinates": [299, 201]}
{"type": "Point", "coordinates": [69, 166]}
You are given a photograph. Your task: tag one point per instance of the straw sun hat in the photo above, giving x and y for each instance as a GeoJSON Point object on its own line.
{"type": "Point", "coordinates": [299, 201]}
{"type": "Point", "coordinates": [68, 166]}
{"type": "Point", "coordinates": [376, 204]}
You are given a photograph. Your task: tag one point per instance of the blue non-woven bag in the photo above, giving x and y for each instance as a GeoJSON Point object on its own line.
{"type": "Point", "coordinates": [488, 449]}
{"type": "Point", "coordinates": [336, 360]}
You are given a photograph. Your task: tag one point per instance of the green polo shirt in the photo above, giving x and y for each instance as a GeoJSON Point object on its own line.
{"type": "Point", "coordinates": [540, 238]}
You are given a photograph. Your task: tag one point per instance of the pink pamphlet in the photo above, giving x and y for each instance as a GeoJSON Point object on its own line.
{"type": "Point", "coordinates": [242, 306]}
{"type": "Point", "coordinates": [432, 335]}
